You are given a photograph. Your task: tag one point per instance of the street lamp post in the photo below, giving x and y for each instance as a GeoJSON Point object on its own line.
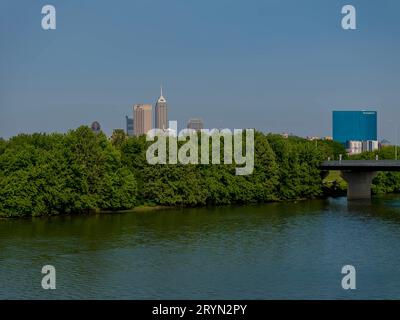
{"type": "Point", "coordinates": [395, 138]}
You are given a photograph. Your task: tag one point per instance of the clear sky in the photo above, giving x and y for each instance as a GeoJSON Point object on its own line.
{"type": "Point", "coordinates": [275, 65]}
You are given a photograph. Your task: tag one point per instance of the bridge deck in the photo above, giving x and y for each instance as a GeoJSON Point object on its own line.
{"type": "Point", "coordinates": [362, 165]}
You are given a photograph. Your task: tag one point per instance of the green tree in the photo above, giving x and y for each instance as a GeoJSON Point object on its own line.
{"type": "Point", "coordinates": [118, 138]}
{"type": "Point", "coordinates": [72, 173]}
{"type": "Point", "coordinates": [2, 146]}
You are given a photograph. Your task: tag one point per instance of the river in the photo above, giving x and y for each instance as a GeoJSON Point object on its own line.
{"type": "Point", "coordinates": [272, 251]}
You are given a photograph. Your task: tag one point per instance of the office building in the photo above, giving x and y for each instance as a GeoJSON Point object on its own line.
{"type": "Point", "coordinates": [142, 119]}
{"type": "Point", "coordinates": [129, 126]}
{"type": "Point", "coordinates": [195, 124]}
{"type": "Point", "coordinates": [285, 135]}
{"type": "Point", "coordinates": [161, 112]}
{"type": "Point", "coordinates": [354, 126]}
{"type": "Point", "coordinates": [357, 147]}
{"type": "Point", "coordinates": [354, 147]}
{"type": "Point", "coordinates": [370, 145]}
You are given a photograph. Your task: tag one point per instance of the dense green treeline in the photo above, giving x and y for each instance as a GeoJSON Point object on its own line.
{"type": "Point", "coordinates": [72, 173]}
{"type": "Point", "coordinates": [77, 172]}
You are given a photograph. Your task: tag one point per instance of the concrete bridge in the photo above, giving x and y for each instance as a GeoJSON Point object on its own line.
{"type": "Point", "coordinates": [360, 173]}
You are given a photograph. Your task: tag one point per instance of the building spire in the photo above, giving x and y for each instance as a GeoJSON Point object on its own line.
{"type": "Point", "coordinates": [161, 98]}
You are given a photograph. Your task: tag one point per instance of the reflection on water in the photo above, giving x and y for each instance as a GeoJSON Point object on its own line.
{"type": "Point", "coordinates": [280, 250]}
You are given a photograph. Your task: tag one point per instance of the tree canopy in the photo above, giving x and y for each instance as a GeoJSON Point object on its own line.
{"type": "Point", "coordinates": [81, 171]}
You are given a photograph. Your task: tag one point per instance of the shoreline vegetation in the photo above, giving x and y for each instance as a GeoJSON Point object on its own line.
{"type": "Point", "coordinates": [82, 172]}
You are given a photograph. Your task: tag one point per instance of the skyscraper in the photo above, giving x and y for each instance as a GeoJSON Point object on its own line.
{"type": "Point", "coordinates": [195, 124]}
{"type": "Point", "coordinates": [161, 115]}
{"type": "Point", "coordinates": [142, 119]}
{"type": "Point", "coordinates": [129, 126]}
{"type": "Point", "coordinates": [354, 126]}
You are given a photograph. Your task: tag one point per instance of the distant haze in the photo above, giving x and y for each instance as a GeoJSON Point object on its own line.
{"type": "Point", "coordinates": [275, 65]}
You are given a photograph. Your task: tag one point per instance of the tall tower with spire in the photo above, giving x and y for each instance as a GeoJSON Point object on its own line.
{"type": "Point", "coordinates": [161, 112]}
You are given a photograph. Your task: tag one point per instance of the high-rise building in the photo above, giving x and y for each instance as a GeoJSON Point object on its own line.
{"type": "Point", "coordinates": [354, 126]}
{"type": "Point", "coordinates": [161, 112]}
{"type": "Point", "coordinates": [141, 119]}
{"type": "Point", "coordinates": [129, 126]}
{"type": "Point", "coordinates": [195, 124]}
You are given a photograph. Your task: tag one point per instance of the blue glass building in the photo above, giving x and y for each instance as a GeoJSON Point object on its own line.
{"type": "Point", "coordinates": [354, 125]}
{"type": "Point", "coordinates": [129, 126]}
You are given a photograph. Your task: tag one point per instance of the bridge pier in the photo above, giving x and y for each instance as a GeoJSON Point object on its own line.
{"type": "Point", "coordinates": [360, 173]}
{"type": "Point", "coordinates": [359, 184]}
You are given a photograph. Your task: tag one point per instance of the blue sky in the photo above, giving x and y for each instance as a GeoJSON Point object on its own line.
{"type": "Point", "coordinates": [275, 65]}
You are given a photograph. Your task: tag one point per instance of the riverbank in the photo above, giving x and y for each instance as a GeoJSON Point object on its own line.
{"type": "Point", "coordinates": [148, 208]}
{"type": "Point", "coordinates": [154, 208]}
{"type": "Point", "coordinates": [142, 208]}
{"type": "Point", "coordinates": [333, 187]}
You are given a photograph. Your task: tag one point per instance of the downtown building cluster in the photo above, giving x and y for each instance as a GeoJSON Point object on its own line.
{"type": "Point", "coordinates": [142, 120]}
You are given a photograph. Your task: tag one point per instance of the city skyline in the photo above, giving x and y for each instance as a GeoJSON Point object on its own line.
{"type": "Point", "coordinates": [276, 67]}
